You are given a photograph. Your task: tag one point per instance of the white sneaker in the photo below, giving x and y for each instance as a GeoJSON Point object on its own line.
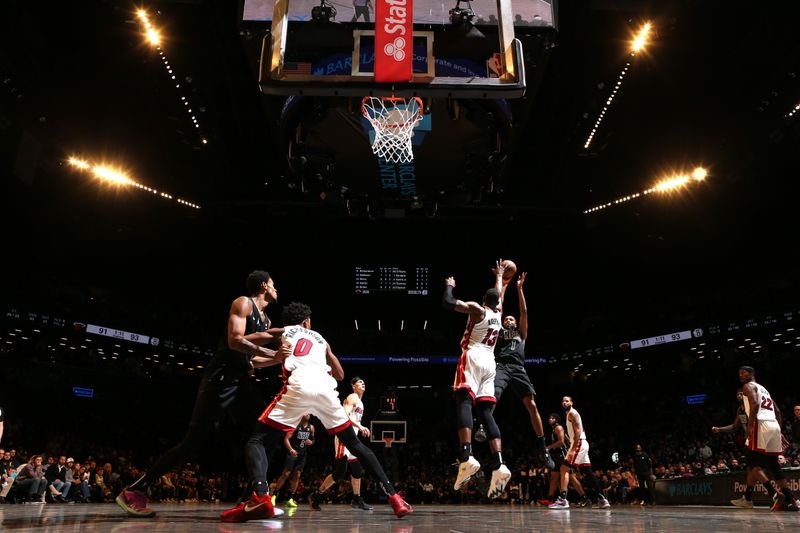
{"type": "Point", "coordinates": [743, 503]}
{"type": "Point", "coordinates": [465, 471]}
{"type": "Point", "coordinates": [602, 503]}
{"type": "Point", "coordinates": [560, 503]}
{"type": "Point", "coordinates": [500, 478]}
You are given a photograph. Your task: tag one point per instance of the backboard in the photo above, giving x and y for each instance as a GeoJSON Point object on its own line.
{"type": "Point", "coordinates": [475, 56]}
{"type": "Point", "coordinates": [379, 429]}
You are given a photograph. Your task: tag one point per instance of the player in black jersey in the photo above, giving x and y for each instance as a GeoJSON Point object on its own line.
{"type": "Point", "coordinates": [225, 387]}
{"type": "Point", "coordinates": [296, 443]}
{"type": "Point", "coordinates": [559, 444]}
{"type": "Point", "coordinates": [509, 354]}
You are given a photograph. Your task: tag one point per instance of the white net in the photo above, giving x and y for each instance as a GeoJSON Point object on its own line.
{"type": "Point", "coordinates": [393, 120]}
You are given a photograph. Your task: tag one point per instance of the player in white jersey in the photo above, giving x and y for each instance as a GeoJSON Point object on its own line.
{"type": "Point", "coordinates": [474, 381]}
{"type": "Point", "coordinates": [354, 407]}
{"type": "Point", "coordinates": [764, 438]}
{"type": "Point", "coordinates": [310, 372]}
{"type": "Point", "coordinates": [577, 457]}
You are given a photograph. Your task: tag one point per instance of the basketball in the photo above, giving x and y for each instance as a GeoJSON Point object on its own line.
{"type": "Point", "coordinates": [510, 270]}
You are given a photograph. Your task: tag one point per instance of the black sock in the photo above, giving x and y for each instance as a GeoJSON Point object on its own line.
{"type": "Point", "coordinates": [261, 488]}
{"type": "Point", "coordinates": [541, 443]}
{"type": "Point", "coordinates": [769, 487]}
{"type": "Point", "coordinates": [140, 485]}
{"type": "Point", "coordinates": [465, 451]}
{"type": "Point", "coordinates": [748, 494]}
{"type": "Point", "coordinates": [562, 494]}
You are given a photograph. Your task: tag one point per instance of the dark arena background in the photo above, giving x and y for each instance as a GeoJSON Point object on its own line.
{"type": "Point", "coordinates": [642, 169]}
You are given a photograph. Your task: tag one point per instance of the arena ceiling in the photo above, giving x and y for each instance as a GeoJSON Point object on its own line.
{"type": "Point", "coordinates": [715, 87]}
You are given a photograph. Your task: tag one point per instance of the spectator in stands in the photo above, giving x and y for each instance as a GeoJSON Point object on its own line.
{"type": "Point", "coordinates": [58, 482]}
{"type": "Point", "coordinates": [31, 480]}
{"type": "Point", "coordinates": [1, 424]}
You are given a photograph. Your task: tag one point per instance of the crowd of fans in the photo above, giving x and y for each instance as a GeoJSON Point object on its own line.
{"type": "Point", "coordinates": [423, 470]}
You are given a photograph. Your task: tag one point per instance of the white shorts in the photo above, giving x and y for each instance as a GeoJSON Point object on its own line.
{"type": "Point", "coordinates": [302, 395]}
{"type": "Point", "coordinates": [341, 450]}
{"type": "Point", "coordinates": [475, 372]}
{"type": "Point", "coordinates": [581, 458]}
{"type": "Point", "coordinates": [767, 439]}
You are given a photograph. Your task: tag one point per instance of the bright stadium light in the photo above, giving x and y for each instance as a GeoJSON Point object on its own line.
{"type": "Point", "coordinates": [699, 174]}
{"type": "Point", "coordinates": [154, 38]}
{"type": "Point", "coordinates": [118, 177]}
{"type": "Point", "coordinates": [670, 184]}
{"type": "Point", "coordinates": [638, 44]}
{"type": "Point", "coordinates": [111, 175]}
{"type": "Point", "coordinates": [640, 40]}
{"type": "Point", "coordinates": [79, 163]}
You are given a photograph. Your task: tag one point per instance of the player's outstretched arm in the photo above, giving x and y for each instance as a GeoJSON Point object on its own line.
{"type": "Point", "coordinates": [336, 367]}
{"type": "Point", "coordinates": [523, 307]}
{"type": "Point", "coordinates": [450, 302]}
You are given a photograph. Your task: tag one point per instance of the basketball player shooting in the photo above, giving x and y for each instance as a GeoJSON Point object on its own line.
{"type": "Point", "coordinates": [474, 381]}
{"type": "Point", "coordinates": [511, 373]}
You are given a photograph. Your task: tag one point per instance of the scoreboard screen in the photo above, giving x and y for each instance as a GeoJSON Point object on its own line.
{"type": "Point", "coordinates": [391, 279]}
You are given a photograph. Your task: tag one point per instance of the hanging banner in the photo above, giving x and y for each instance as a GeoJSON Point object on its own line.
{"type": "Point", "coordinates": [394, 29]}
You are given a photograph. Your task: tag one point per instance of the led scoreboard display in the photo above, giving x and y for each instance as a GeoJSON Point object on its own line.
{"type": "Point", "coordinates": [391, 279]}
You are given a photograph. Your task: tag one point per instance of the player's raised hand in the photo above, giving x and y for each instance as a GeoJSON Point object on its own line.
{"type": "Point", "coordinates": [499, 267]}
{"type": "Point", "coordinates": [450, 282]}
{"type": "Point", "coordinates": [521, 280]}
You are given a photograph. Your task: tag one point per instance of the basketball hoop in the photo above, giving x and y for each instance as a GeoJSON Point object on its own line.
{"type": "Point", "coordinates": [393, 120]}
{"type": "Point", "coordinates": [388, 441]}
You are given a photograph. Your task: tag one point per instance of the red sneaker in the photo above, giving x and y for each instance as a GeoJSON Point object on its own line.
{"type": "Point", "coordinates": [134, 502]}
{"type": "Point", "coordinates": [399, 506]}
{"type": "Point", "coordinates": [256, 508]}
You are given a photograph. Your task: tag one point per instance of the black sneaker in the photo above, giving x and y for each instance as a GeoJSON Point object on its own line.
{"type": "Point", "coordinates": [359, 503]}
{"type": "Point", "coordinates": [545, 460]}
{"type": "Point", "coordinates": [314, 500]}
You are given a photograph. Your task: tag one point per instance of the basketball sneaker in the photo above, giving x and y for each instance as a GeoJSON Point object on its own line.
{"type": "Point", "coordinates": [545, 460]}
{"type": "Point", "coordinates": [777, 501]}
{"type": "Point", "coordinates": [399, 506]}
{"type": "Point", "coordinates": [256, 508]}
{"type": "Point", "coordinates": [601, 503]}
{"type": "Point", "coordinates": [359, 503]}
{"type": "Point", "coordinates": [274, 500]}
{"type": "Point", "coordinates": [584, 502]}
{"type": "Point", "coordinates": [465, 471]}
{"type": "Point", "coordinates": [545, 502]}
{"type": "Point", "coordinates": [743, 503]}
{"type": "Point", "coordinates": [290, 503]}
{"type": "Point", "coordinates": [314, 499]}
{"type": "Point", "coordinates": [134, 502]}
{"type": "Point", "coordinates": [500, 478]}
{"type": "Point", "coordinates": [560, 503]}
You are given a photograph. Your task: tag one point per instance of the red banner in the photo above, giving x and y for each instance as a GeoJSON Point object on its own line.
{"type": "Point", "coordinates": [394, 51]}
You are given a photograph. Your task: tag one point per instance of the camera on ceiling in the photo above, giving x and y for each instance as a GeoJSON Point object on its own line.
{"type": "Point", "coordinates": [324, 12]}
{"type": "Point", "coordinates": [461, 15]}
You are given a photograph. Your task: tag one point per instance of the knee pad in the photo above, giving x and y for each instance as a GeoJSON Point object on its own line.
{"type": "Point", "coordinates": [485, 413]}
{"type": "Point", "coordinates": [340, 471]}
{"type": "Point", "coordinates": [356, 470]}
{"type": "Point", "coordinates": [464, 409]}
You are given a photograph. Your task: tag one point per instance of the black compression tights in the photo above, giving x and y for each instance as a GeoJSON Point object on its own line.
{"type": "Point", "coordinates": [348, 437]}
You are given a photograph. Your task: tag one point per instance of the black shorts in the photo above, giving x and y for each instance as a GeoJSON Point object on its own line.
{"type": "Point", "coordinates": [292, 463]}
{"type": "Point", "coordinates": [514, 376]}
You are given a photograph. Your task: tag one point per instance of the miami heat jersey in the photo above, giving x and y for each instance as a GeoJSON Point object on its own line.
{"type": "Point", "coordinates": [482, 335]}
{"type": "Point", "coordinates": [766, 409]}
{"type": "Point", "coordinates": [357, 413]}
{"type": "Point", "coordinates": [307, 352]}
{"type": "Point", "coordinates": [571, 432]}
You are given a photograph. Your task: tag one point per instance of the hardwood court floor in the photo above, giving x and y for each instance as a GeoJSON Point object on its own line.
{"type": "Point", "coordinates": [97, 518]}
